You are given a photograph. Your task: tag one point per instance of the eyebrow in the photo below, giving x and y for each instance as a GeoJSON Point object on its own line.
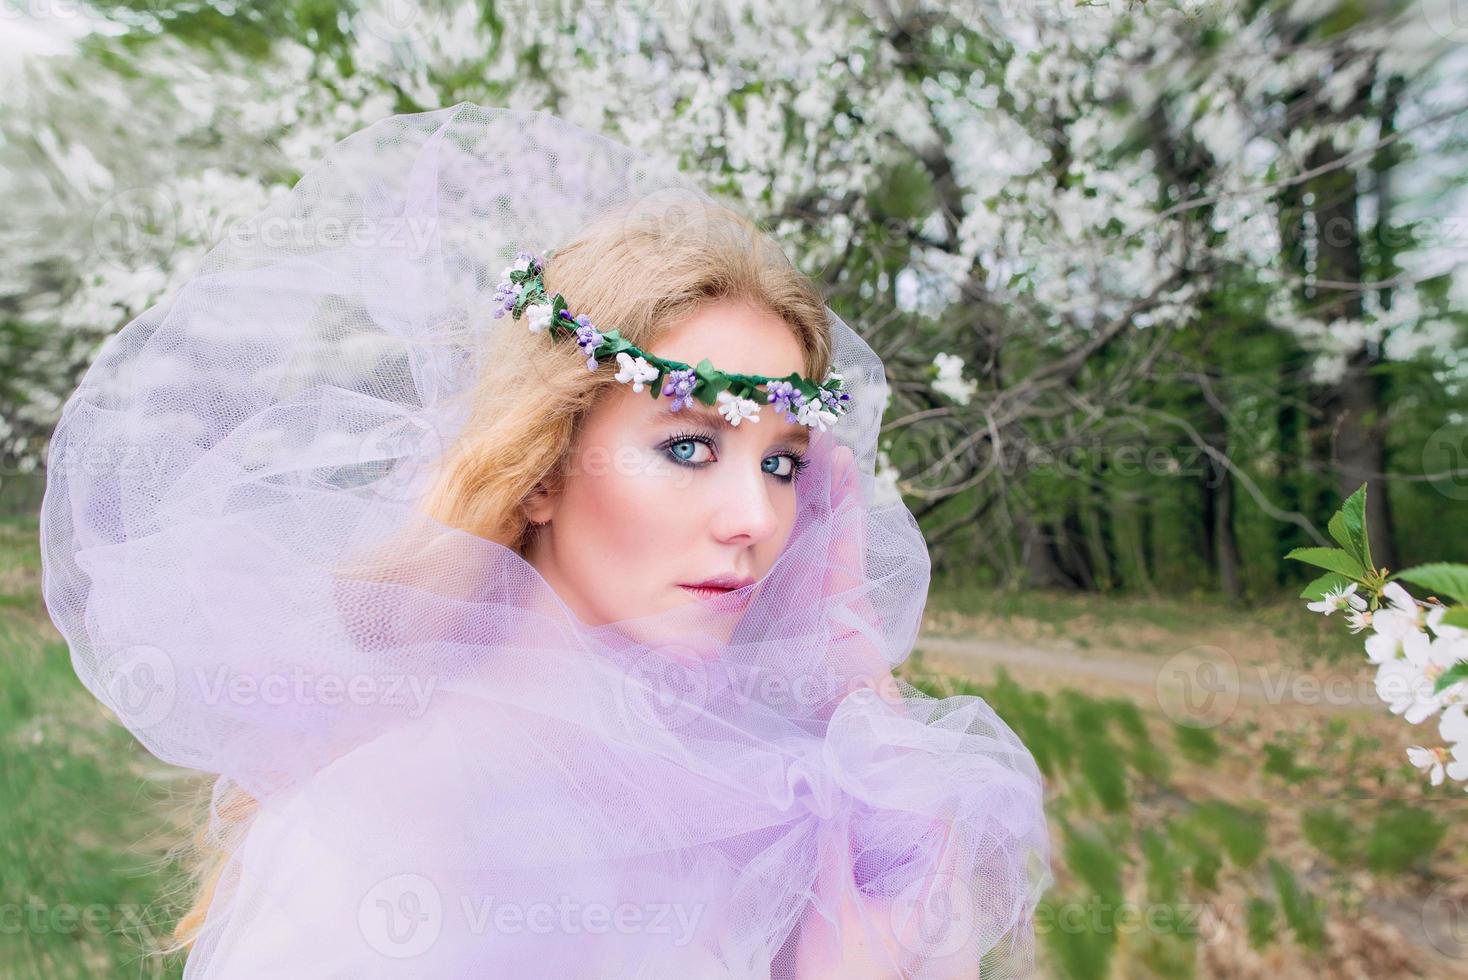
{"type": "Point", "coordinates": [711, 418]}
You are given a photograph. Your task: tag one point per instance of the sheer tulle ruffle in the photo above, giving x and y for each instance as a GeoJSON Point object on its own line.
{"type": "Point", "coordinates": [455, 776]}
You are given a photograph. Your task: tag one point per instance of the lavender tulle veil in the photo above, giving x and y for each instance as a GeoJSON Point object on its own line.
{"type": "Point", "coordinates": [455, 776]}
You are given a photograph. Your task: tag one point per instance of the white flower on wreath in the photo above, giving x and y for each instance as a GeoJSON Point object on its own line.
{"type": "Point", "coordinates": [815, 415]}
{"type": "Point", "coordinates": [539, 316]}
{"type": "Point", "coordinates": [635, 371]}
{"type": "Point", "coordinates": [736, 409]}
{"type": "Point", "coordinates": [519, 265]}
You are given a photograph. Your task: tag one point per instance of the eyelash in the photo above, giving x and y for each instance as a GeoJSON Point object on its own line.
{"type": "Point", "coordinates": [797, 461]}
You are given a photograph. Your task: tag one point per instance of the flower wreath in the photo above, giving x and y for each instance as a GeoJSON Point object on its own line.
{"type": "Point", "coordinates": [521, 292]}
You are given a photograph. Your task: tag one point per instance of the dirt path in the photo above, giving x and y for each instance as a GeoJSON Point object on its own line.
{"type": "Point", "coordinates": [1195, 672]}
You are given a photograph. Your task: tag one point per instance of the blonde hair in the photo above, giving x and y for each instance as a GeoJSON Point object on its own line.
{"type": "Point", "coordinates": [641, 269]}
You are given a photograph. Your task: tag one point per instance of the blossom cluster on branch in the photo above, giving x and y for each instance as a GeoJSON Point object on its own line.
{"type": "Point", "coordinates": [1420, 649]}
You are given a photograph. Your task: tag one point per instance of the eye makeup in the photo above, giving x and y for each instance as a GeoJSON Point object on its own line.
{"type": "Point", "coordinates": [797, 459]}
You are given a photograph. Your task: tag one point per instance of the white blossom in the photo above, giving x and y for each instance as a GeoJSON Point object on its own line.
{"type": "Point", "coordinates": [887, 490]}
{"type": "Point", "coordinates": [951, 381]}
{"type": "Point", "coordinates": [1393, 630]}
{"type": "Point", "coordinates": [1435, 623]}
{"type": "Point", "coordinates": [1406, 684]}
{"type": "Point", "coordinates": [1429, 760]}
{"type": "Point", "coordinates": [1453, 727]}
{"type": "Point", "coordinates": [1338, 598]}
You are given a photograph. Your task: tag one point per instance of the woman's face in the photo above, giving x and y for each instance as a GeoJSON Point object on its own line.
{"type": "Point", "coordinates": [655, 501]}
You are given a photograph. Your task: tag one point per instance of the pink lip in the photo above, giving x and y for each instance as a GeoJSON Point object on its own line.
{"type": "Point", "coordinates": [719, 584]}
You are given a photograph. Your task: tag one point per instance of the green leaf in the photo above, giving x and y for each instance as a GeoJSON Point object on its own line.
{"type": "Point", "coordinates": [1332, 559]}
{"type": "Point", "coordinates": [1328, 582]}
{"type": "Point", "coordinates": [1353, 520]}
{"type": "Point", "coordinates": [1457, 616]}
{"type": "Point", "coordinates": [1454, 674]}
{"type": "Point", "coordinates": [1348, 527]}
{"type": "Point", "coordinates": [1442, 578]}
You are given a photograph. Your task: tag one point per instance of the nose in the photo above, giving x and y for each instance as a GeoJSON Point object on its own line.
{"type": "Point", "coordinates": [743, 510]}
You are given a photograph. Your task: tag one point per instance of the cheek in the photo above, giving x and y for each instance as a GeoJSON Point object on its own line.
{"type": "Point", "coordinates": [788, 508]}
{"type": "Point", "coordinates": [630, 504]}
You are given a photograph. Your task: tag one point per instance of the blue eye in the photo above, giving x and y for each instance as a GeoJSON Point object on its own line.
{"type": "Point", "coordinates": [786, 474]}
{"type": "Point", "coordinates": [683, 450]}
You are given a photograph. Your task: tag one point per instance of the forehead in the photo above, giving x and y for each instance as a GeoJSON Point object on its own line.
{"type": "Point", "coordinates": [737, 338]}
{"type": "Point", "coordinates": [741, 339]}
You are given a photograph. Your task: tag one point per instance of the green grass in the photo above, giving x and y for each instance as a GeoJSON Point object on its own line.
{"type": "Point", "coordinates": [88, 889]}
{"type": "Point", "coordinates": [88, 819]}
{"type": "Point", "coordinates": [1125, 831]}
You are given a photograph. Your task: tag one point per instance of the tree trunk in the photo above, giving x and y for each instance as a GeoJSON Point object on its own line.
{"type": "Point", "coordinates": [1355, 406]}
{"type": "Point", "coordinates": [1040, 568]}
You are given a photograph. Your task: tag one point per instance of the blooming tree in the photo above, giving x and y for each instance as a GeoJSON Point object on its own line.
{"type": "Point", "coordinates": [1049, 203]}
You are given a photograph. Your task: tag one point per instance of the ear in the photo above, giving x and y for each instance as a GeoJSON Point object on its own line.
{"type": "Point", "coordinates": [540, 506]}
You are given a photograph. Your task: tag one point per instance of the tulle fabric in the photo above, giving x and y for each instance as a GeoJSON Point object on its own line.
{"type": "Point", "coordinates": [456, 776]}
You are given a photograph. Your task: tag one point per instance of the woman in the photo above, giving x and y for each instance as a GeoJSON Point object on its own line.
{"type": "Point", "coordinates": [536, 623]}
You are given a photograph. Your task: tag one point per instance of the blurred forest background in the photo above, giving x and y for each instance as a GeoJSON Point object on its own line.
{"type": "Point", "coordinates": [1196, 268]}
{"type": "Point", "coordinates": [1157, 284]}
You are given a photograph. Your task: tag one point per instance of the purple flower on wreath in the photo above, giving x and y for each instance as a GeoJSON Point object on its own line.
{"type": "Point", "coordinates": [506, 292]}
{"type": "Point", "coordinates": [505, 295]}
{"type": "Point", "coordinates": [786, 398]}
{"type": "Point", "coordinates": [833, 401]}
{"type": "Point", "coordinates": [680, 385]}
{"type": "Point", "coordinates": [588, 338]}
